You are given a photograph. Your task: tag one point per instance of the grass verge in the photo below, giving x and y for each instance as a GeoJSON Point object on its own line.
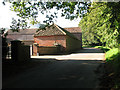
{"type": "Point", "coordinates": [111, 76]}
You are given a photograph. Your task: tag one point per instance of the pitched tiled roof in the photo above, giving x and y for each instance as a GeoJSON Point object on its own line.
{"type": "Point", "coordinates": [49, 31]}
{"type": "Point", "coordinates": [33, 31]}
{"type": "Point", "coordinates": [73, 29]}
{"type": "Point", "coordinates": [27, 34]}
{"type": "Point", "coordinates": [54, 30]}
{"type": "Point", "coordinates": [23, 35]}
{"type": "Point", "coordinates": [67, 32]}
{"type": "Point", "coordinates": [20, 37]}
{"type": "Point", "coordinates": [23, 32]}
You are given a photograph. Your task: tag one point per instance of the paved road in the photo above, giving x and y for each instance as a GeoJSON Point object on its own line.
{"type": "Point", "coordinates": [56, 73]}
{"type": "Point", "coordinates": [84, 54]}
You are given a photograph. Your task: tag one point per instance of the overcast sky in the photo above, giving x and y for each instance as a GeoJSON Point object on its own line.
{"type": "Point", "coordinates": [6, 17]}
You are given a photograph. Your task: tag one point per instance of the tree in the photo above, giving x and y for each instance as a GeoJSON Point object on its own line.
{"type": "Point", "coordinates": [29, 11]}
{"type": "Point", "coordinates": [101, 24]}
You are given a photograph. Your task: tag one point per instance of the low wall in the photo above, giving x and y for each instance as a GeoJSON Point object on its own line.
{"type": "Point", "coordinates": [49, 50]}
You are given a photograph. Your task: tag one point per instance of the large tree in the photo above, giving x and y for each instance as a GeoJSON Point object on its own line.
{"type": "Point", "coordinates": [101, 24]}
{"type": "Point", "coordinates": [29, 11]}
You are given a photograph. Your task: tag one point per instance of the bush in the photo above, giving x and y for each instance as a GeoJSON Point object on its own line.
{"type": "Point", "coordinates": [112, 54]}
{"type": "Point", "coordinates": [113, 62]}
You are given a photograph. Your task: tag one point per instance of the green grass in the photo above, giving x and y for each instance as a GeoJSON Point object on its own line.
{"type": "Point", "coordinates": [112, 59]}
{"type": "Point", "coordinates": [105, 49]}
{"type": "Point", "coordinates": [112, 54]}
{"type": "Point", "coordinates": [87, 46]}
{"type": "Point", "coordinates": [113, 65]}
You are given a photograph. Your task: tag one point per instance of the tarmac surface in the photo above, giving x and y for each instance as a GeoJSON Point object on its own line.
{"type": "Point", "coordinates": [84, 54]}
{"type": "Point", "coordinates": [78, 70]}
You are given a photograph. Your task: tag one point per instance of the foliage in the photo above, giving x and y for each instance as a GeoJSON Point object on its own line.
{"type": "Point", "coordinates": [113, 62]}
{"type": "Point", "coordinates": [110, 78]}
{"type": "Point", "coordinates": [29, 11]}
{"type": "Point", "coordinates": [100, 26]}
{"type": "Point", "coordinates": [88, 46]}
{"type": "Point", "coordinates": [112, 54]}
{"type": "Point", "coordinates": [105, 49]}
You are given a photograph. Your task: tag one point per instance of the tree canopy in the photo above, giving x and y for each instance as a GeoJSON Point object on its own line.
{"type": "Point", "coordinates": [29, 11]}
{"type": "Point", "coordinates": [101, 24]}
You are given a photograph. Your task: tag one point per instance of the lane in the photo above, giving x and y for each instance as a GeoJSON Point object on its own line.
{"type": "Point", "coordinates": [58, 74]}
{"type": "Point", "coordinates": [79, 56]}
{"type": "Point", "coordinates": [84, 54]}
{"type": "Point", "coordinates": [76, 70]}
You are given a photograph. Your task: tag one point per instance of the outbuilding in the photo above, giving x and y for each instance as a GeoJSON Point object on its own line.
{"type": "Point", "coordinates": [55, 39]}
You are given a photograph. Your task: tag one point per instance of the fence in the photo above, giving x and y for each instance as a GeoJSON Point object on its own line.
{"type": "Point", "coordinates": [49, 50]}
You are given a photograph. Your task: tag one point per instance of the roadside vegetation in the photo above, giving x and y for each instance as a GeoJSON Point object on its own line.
{"type": "Point", "coordinates": [112, 69]}
{"type": "Point", "coordinates": [111, 76]}
{"type": "Point", "coordinates": [101, 29]}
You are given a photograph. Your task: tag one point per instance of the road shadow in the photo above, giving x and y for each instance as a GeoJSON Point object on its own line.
{"type": "Point", "coordinates": [12, 68]}
{"type": "Point", "coordinates": [89, 50]}
{"type": "Point", "coordinates": [52, 73]}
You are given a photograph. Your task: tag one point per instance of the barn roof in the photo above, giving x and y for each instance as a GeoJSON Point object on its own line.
{"type": "Point", "coordinates": [28, 34]}
{"type": "Point", "coordinates": [50, 30]}
{"type": "Point", "coordinates": [54, 30]}
{"type": "Point", "coordinates": [33, 31]}
{"type": "Point", "coordinates": [74, 29]}
{"type": "Point", "coordinates": [23, 35]}
{"type": "Point", "coordinates": [23, 32]}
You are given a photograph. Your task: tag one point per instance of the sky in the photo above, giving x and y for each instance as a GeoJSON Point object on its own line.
{"type": "Point", "coordinates": [6, 16]}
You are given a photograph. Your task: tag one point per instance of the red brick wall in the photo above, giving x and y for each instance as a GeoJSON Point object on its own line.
{"type": "Point", "coordinates": [50, 40]}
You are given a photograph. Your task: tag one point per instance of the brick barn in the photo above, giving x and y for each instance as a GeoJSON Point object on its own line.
{"type": "Point", "coordinates": [53, 35]}
{"type": "Point", "coordinates": [55, 39]}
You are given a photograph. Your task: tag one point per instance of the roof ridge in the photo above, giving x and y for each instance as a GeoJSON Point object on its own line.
{"type": "Point", "coordinates": [60, 29]}
{"type": "Point", "coordinates": [71, 27]}
{"type": "Point", "coordinates": [50, 30]}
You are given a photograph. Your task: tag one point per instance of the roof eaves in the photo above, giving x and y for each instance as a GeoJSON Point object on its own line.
{"type": "Point", "coordinates": [60, 29]}
{"type": "Point", "coordinates": [69, 34]}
